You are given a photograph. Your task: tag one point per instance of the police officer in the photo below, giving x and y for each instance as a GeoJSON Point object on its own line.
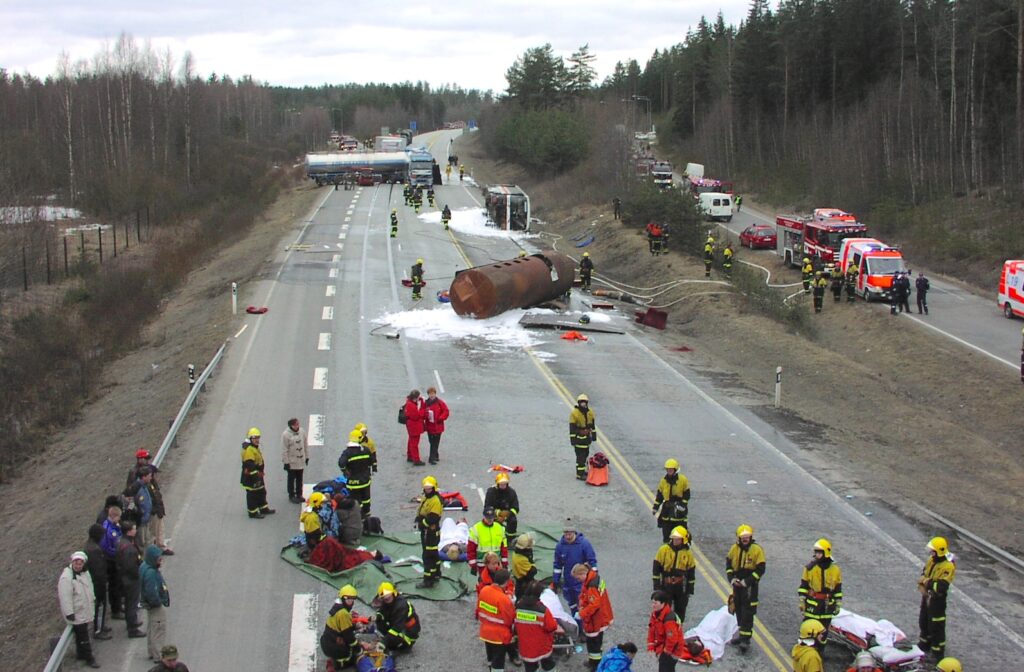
{"type": "Point", "coordinates": [416, 275]}
{"type": "Point", "coordinates": [936, 578]}
{"type": "Point", "coordinates": [821, 585]}
{"type": "Point", "coordinates": [807, 274]}
{"type": "Point", "coordinates": [338, 640]}
{"type": "Point", "coordinates": [727, 255]}
{"type": "Point", "coordinates": [675, 570]}
{"type": "Point", "coordinates": [428, 522]}
{"type": "Point", "coordinates": [922, 285]}
{"type": "Point", "coordinates": [672, 499]}
{"type": "Point", "coordinates": [744, 567]}
{"type": "Point", "coordinates": [820, 283]}
{"type": "Point", "coordinates": [356, 462]}
{"type": "Point", "coordinates": [582, 433]}
{"type": "Point", "coordinates": [252, 476]}
{"type": "Point", "coordinates": [586, 269]}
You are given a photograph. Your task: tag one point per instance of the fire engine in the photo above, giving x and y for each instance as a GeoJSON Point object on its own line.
{"type": "Point", "coordinates": [818, 235]}
{"type": "Point", "coordinates": [700, 185]}
{"type": "Point", "coordinates": [876, 263]}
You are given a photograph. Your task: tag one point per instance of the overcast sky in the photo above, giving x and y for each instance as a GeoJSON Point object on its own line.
{"type": "Point", "coordinates": [448, 41]}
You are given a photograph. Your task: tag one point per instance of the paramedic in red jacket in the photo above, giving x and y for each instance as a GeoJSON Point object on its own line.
{"type": "Point", "coordinates": [595, 610]}
{"type": "Point", "coordinates": [664, 632]}
{"type": "Point", "coordinates": [535, 629]}
{"type": "Point", "coordinates": [435, 412]}
{"type": "Point", "coordinates": [497, 616]}
{"type": "Point", "coordinates": [414, 416]}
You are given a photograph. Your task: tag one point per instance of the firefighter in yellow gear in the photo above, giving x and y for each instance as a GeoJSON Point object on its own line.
{"type": "Point", "coordinates": [428, 522]}
{"type": "Point", "coordinates": [821, 585]}
{"type": "Point", "coordinates": [675, 570]}
{"type": "Point", "coordinates": [672, 499]}
{"type": "Point", "coordinates": [338, 640]}
{"type": "Point", "coordinates": [462, 172]}
{"type": "Point", "coordinates": [312, 526]}
{"type": "Point", "coordinates": [397, 623]}
{"type": "Point", "coordinates": [744, 567]}
{"type": "Point", "coordinates": [807, 274]}
{"type": "Point", "coordinates": [582, 433]}
{"type": "Point", "coordinates": [851, 283]}
{"type": "Point", "coordinates": [819, 284]}
{"type": "Point", "coordinates": [727, 255]}
{"type": "Point", "coordinates": [252, 476]}
{"type": "Point", "coordinates": [806, 653]}
{"type": "Point", "coordinates": [416, 275]}
{"type": "Point", "coordinates": [836, 284]}
{"type": "Point", "coordinates": [936, 579]}
{"type": "Point", "coordinates": [364, 439]}
{"type": "Point", "coordinates": [709, 256]}
{"type": "Point", "coordinates": [949, 665]}
{"type": "Point", "coordinates": [394, 219]}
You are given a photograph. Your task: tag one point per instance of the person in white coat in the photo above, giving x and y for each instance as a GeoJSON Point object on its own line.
{"type": "Point", "coordinates": [78, 603]}
{"type": "Point", "coordinates": [295, 456]}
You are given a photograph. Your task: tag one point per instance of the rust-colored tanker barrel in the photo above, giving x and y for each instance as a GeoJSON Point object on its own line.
{"type": "Point", "coordinates": [486, 291]}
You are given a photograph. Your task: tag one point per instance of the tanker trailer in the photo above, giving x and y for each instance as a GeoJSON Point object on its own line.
{"type": "Point", "coordinates": [489, 290]}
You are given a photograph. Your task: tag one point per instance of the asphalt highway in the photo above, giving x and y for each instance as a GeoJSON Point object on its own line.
{"type": "Point", "coordinates": [314, 355]}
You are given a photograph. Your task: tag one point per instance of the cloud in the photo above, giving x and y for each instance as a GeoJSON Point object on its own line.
{"type": "Point", "coordinates": [469, 43]}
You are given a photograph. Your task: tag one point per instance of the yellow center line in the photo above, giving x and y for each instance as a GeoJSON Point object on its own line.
{"type": "Point", "coordinates": [762, 636]}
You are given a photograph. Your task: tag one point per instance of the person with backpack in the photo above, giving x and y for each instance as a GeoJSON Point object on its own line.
{"type": "Point", "coordinates": [155, 598]}
{"type": "Point", "coordinates": [412, 416]}
{"type": "Point", "coordinates": [435, 413]}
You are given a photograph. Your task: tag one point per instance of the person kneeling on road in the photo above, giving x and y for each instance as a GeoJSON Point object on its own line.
{"type": "Point", "coordinates": [397, 622]}
{"type": "Point", "coordinates": [338, 640]}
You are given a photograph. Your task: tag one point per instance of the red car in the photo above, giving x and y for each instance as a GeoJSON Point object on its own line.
{"type": "Point", "coordinates": [758, 235]}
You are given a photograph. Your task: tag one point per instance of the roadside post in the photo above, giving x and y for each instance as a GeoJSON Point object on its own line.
{"type": "Point", "coordinates": [191, 376]}
{"type": "Point", "coordinates": [234, 298]}
{"type": "Point", "coordinates": [778, 382]}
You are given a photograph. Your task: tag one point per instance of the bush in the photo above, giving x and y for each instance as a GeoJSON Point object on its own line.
{"type": "Point", "coordinates": [645, 203]}
{"type": "Point", "coordinates": [759, 297]}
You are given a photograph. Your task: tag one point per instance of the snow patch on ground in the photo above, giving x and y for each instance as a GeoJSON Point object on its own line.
{"type": "Point", "coordinates": [21, 214]}
{"type": "Point", "coordinates": [442, 324]}
{"type": "Point", "coordinates": [472, 222]}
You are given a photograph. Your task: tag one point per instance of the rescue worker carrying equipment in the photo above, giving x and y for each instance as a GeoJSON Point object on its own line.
{"type": "Point", "coordinates": [936, 578]}
{"type": "Point", "coordinates": [821, 586]}
{"type": "Point", "coordinates": [428, 522]}
{"type": "Point", "coordinates": [806, 656]}
{"type": "Point", "coordinates": [744, 567]}
{"type": "Point", "coordinates": [416, 275]}
{"type": "Point", "coordinates": [338, 640]}
{"type": "Point", "coordinates": [672, 499]}
{"type": "Point", "coordinates": [505, 502]}
{"type": "Point", "coordinates": [356, 462]}
{"type": "Point", "coordinates": [582, 433]}
{"type": "Point", "coordinates": [397, 623]}
{"type": "Point", "coordinates": [252, 476]}
{"type": "Point", "coordinates": [675, 570]}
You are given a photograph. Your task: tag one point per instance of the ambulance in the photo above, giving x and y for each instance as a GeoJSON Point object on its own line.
{"type": "Point", "coordinates": [876, 263]}
{"type": "Point", "coordinates": [1011, 288]}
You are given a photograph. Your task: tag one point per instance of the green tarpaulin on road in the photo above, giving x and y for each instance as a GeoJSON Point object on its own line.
{"type": "Point", "coordinates": [405, 569]}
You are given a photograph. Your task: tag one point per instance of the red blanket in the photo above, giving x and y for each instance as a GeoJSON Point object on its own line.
{"type": "Point", "coordinates": [331, 555]}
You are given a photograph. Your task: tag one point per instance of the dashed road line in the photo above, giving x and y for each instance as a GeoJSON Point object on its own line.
{"type": "Point", "coordinates": [330, 290]}
{"type": "Point", "coordinates": [328, 313]}
{"type": "Point", "coordinates": [316, 426]}
{"type": "Point", "coordinates": [303, 645]}
{"type": "Point", "coordinates": [440, 385]}
{"type": "Point", "coordinates": [332, 273]}
{"type": "Point", "coordinates": [239, 333]}
{"type": "Point", "coordinates": [320, 378]}
{"type": "Point", "coordinates": [324, 342]}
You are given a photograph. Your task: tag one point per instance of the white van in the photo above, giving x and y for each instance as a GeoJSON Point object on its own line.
{"type": "Point", "coordinates": [1011, 288]}
{"type": "Point", "coordinates": [716, 206]}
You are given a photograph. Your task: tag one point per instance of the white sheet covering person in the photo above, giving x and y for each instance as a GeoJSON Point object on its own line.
{"type": "Point", "coordinates": [453, 533]}
{"type": "Point", "coordinates": [715, 629]}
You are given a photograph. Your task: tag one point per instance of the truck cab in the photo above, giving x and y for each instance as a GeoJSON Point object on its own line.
{"type": "Point", "coordinates": [661, 174]}
{"type": "Point", "coordinates": [715, 206]}
{"type": "Point", "coordinates": [507, 206]}
{"type": "Point", "coordinates": [1011, 288]}
{"type": "Point", "coordinates": [876, 263]}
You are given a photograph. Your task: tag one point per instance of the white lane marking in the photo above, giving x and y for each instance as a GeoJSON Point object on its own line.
{"type": "Point", "coordinates": [244, 327]}
{"type": "Point", "coordinates": [324, 342]}
{"type": "Point", "coordinates": [320, 378]}
{"type": "Point", "coordinates": [332, 273]}
{"type": "Point", "coordinates": [335, 258]}
{"type": "Point", "coordinates": [340, 246]}
{"type": "Point", "coordinates": [302, 650]}
{"type": "Point", "coordinates": [440, 385]}
{"type": "Point", "coordinates": [330, 290]}
{"type": "Point", "coordinates": [328, 313]}
{"type": "Point", "coordinates": [963, 342]}
{"type": "Point", "coordinates": [344, 227]}
{"type": "Point", "coordinates": [480, 491]}
{"type": "Point", "coordinates": [315, 437]}
{"type": "Point", "coordinates": [349, 211]}
{"type": "Point", "coordinates": [348, 219]}
{"type": "Point", "coordinates": [342, 235]}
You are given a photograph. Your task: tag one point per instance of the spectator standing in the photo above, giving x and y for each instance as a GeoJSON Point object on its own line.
{"type": "Point", "coordinates": [142, 497]}
{"type": "Point", "coordinates": [617, 207]}
{"type": "Point", "coordinates": [435, 412]}
{"type": "Point", "coordinates": [75, 593]}
{"type": "Point", "coordinates": [97, 566]}
{"type": "Point", "coordinates": [169, 661]}
{"type": "Point", "coordinates": [414, 426]}
{"type": "Point", "coordinates": [156, 521]}
{"type": "Point", "coordinates": [129, 559]}
{"type": "Point", "coordinates": [295, 456]}
{"type": "Point", "coordinates": [111, 538]}
{"type": "Point", "coordinates": [155, 598]}
{"type": "Point", "coordinates": [572, 549]}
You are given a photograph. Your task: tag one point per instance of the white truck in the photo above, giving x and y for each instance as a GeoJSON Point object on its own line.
{"type": "Point", "coordinates": [389, 143]}
{"type": "Point", "coordinates": [716, 207]}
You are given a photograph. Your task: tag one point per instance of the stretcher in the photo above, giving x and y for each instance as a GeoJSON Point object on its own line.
{"type": "Point", "coordinates": [569, 642]}
{"type": "Point", "coordinates": [889, 646]}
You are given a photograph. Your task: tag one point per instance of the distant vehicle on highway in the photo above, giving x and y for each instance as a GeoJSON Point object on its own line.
{"type": "Point", "coordinates": [715, 206]}
{"type": "Point", "coordinates": [1011, 288]}
{"type": "Point", "coordinates": [758, 236]}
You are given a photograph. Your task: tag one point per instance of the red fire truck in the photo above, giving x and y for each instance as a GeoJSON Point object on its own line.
{"type": "Point", "coordinates": [700, 185]}
{"type": "Point", "coordinates": [817, 235]}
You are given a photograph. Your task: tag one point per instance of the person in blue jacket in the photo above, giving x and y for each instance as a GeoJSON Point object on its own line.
{"type": "Point", "coordinates": [572, 549]}
{"type": "Point", "coordinates": [619, 659]}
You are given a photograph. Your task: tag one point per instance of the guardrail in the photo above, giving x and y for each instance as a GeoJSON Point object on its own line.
{"type": "Point", "coordinates": [60, 650]}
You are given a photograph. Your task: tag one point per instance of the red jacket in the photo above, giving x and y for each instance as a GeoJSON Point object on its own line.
{"type": "Point", "coordinates": [414, 416]}
{"type": "Point", "coordinates": [440, 412]}
{"type": "Point", "coordinates": [535, 627]}
{"type": "Point", "coordinates": [497, 615]}
{"type": "Point", "coordinates": [594, 606]}
{"type": "Point", "coordinates": [665, 633]}
{"type": "Point", "coordinates": [484, 579]}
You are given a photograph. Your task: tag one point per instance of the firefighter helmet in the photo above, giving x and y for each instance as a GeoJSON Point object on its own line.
{"type": "Point", "coordinates": [419, 261]}
{"type": "Point", "coordinates": [939, 545]}
{"type": "Point", "coordinates": [354, 436]}
{"type": "Point", "coordinates": [430, 481]}
{"type": "Point", "coordinates": [348, 590]}
{"type": "Point", "coordinates": [360, 426]}
{"type": "Point", "coordinates": [386, 588]}
{"type": "Point", "coordinates": [680, 532]}
{"type": "Point", "coordinates": [501, 477]}
{"type": "Point", "coordinates": [672, 463]}
{"type": "Point", "coordinates": [811, 629]}
{"type": "Point", "coordinates": [253, 432]}
{"type": "Point", "coordinates": [824, 546]}
{"type": "Point", "coordinates": [949, 665]}
{"type": "Point", "coordinates": [582, 397]}
{"type": "Point", "coordinates": [807, 260]}
{"type": "Point", "coordinates": [586, 254]}
{"type": "Point", "coordinates": [744, 531]}
{"type": "Point", "coordinates": [316, 499]}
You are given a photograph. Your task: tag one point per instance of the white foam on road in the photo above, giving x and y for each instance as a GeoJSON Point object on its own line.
{"type": "Point", "coordinates": [315, 435]}
{"type": "Point", "coordinates": [472, 222]}
{"type": "Point", "coordinates": [442, 324]}
{"type": "Point", "coordinates": [303, 646]}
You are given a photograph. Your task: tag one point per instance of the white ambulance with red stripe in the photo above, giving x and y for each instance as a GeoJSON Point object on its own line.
{"type": "Point", "coordinates": [1011, 288]}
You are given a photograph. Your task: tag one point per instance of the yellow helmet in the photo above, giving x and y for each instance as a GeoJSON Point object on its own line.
{"type": "Point", "coordinates": [386, 588]}
{"type": "Point", "coordinates": [354, 436]}
{"type": "Point", "coordinates": [939, 545]}
{"type": "Point", "coordinates": [680, 532]}
{"type": "Point", "coordinates": [586, 254]}
{"type": "Point", "coordinates": [316, 499]}
{"type": "Point", "coordinates": [348, 590]}
{"type": "Point", "coordinates": [253, 431]}
{"type": "Point", "coordinates": [811, 629]}
{"type": "Point", "coordinates": [501, 477]}
{"type": "Point", "coordinates": [807, 260]}
{"type": "Point", "coordinates": [582, 397]}
{"type": "Point", "coordinates": [430, 481]}
{"type": "Point", "coordinates": [394, 211]}
{"type": "Point", "coordinates": [522, 253]}
{"type": "Point", "coordinates": [744, 531]}
{"type": "Point", "coordinates": [419, 261]}
{"type": "Point", "coordinates": [360, 427]}
{"type": "Point", "coordinates": [672, 463]}
{"type": "Point", "coordinates": [824, 546]}
{"type": "Point", "coordinates": [949, 665]}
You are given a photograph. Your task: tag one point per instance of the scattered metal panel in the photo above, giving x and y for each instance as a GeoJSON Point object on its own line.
{"type": "Point", "coordinates": [559, 322]}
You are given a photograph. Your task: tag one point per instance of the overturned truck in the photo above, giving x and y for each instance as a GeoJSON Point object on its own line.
{"type": "Point", "coordinates": [489, 290]}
